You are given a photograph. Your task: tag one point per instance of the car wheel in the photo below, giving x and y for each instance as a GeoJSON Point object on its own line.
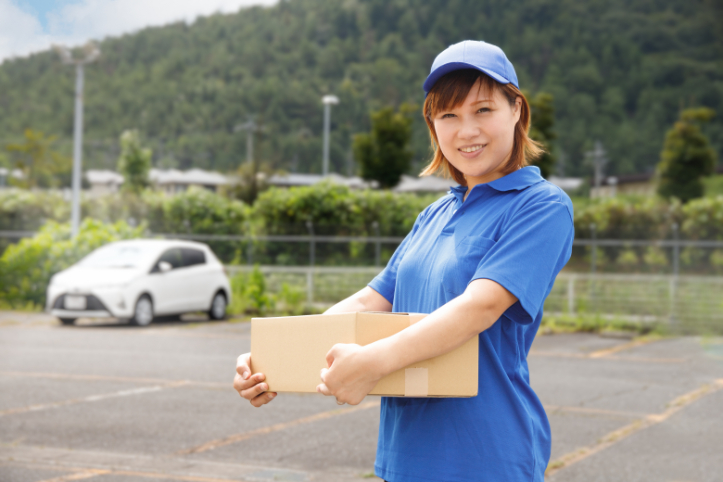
{"type": "Point", "coordinates": [143, 312]}
{"type": "Point", "coordinates": [218, 307]}
{"type": "Point", "coordinates": [67, 321]}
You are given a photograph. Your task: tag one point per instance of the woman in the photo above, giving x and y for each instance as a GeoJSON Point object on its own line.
{"type": "Point", "coordinates": [481, 261]}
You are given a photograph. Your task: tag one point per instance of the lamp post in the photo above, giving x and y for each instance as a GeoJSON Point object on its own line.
{"type": "Point", "coordinates": [328, 101]}
{"type": "Point", "coordinates": [92, 52]}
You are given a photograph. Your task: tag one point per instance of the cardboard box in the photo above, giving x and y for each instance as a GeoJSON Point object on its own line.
{"type": "Point", "coordinates": [291, 351]}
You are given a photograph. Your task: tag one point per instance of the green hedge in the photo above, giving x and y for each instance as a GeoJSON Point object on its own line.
{"type": "Point", "coordinates": [337, 210]}
{"type": "Point", "coordinates": [26, 267]}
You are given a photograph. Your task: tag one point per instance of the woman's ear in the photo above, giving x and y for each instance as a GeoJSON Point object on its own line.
{"type": "Point", "coordinates": [517, 108]}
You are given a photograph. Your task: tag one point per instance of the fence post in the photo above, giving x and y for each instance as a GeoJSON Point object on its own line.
{"type": "Point", "coordinates": [249, 246]}
{"type": "Point", "coordinates": [377, 245]}
{"type": "Point", "coordinates": [312, 261]}
{"type": "Point", "coordinates": [571, 295]}
{"type": "Point", "coordinates": [593, 263]}
{"type": "Point", "coordinates": [676, 269]}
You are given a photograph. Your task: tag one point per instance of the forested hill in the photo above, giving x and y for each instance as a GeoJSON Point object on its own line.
{"type": "Point", "coordinates": [620, 70]}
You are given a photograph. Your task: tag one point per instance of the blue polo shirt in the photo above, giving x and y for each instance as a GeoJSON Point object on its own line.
{"type": "Point", "coordinates": [518, 232]}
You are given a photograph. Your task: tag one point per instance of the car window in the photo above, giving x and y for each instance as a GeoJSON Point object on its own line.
{"type": "Point", "coordinates": [193, 257]}
{"type": "Point", "coordinates": [172, 256]}
{"type": "Point", "coordinates": [119, 255]}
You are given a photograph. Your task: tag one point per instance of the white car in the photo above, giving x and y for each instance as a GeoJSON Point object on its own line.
{"type": "Point", "coordinates": [141, 279]}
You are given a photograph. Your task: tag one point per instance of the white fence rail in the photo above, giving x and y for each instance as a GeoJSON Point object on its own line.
{"type": "Point", "coordinates": [690, 303]}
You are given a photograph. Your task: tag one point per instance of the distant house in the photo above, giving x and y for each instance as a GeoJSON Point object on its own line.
{"type": "Point", "coordinates": [13, 173]}
{"type": "Point", "coordinates": [296, 179]}
{"type": "Point", "coordinates": [170, 181]}
{"type": "Point", "coordinates": [103, 182]}
{"type": "Point", "coordinates": [642, 184]}
{"type": "Point", "coordinates": [173, 181]}
{"type": "Point", "coordinates": [567, 184]}
{"type": "Point", "coordinates": [424, 184]}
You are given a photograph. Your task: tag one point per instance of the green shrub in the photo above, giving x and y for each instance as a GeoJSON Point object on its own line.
{"type": "Point", "coordinates": [26, 267]}
{"type": "Point", "coordinates": [249, 294]}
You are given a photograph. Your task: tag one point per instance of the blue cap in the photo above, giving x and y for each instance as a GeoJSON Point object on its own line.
{"type": "Point", "coordinates": [472, 54]}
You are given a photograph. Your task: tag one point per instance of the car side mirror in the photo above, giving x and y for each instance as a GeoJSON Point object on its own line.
{"type": "Point", "coordinates": [164, 266]}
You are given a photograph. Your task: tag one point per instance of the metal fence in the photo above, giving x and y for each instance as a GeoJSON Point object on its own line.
{"type": "Point", "coordinates": [686, 304]}
{"type": "Point", "coordinates": [686, 294]}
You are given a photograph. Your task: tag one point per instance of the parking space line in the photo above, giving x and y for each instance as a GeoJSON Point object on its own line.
{"type": "Point", "coordinates": [91, 398]}
{"type": "Point", "coordinates": [553, 409]}
{"type": "Point", "coordinates": [69, 376]}
{"type": "Point", "coordinates": [617, 349]}
{"type": "Point", "coordinates": [586, 356]}
{"type": "Point", "coordinates": [185, 478]}
{"type": "Point", "coordinates": [214, 444]}
{"type": "Point", "coordinates": [89, 473]}
{"type": "Point", "coordinates": [617, 435]}
{"type": "Point", "coordinates": [86, 474]}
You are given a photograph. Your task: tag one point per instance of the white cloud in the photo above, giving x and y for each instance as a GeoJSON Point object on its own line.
{"type": "Point", "coordinates": [20, 32]}
{"type": "Point", "coordinates": [76, 23]}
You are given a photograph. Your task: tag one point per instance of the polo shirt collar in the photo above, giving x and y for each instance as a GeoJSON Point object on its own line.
{"type": "Point", "coordinates": [518, 180]}
{"type": "Point", "coordinates": [514, 181]}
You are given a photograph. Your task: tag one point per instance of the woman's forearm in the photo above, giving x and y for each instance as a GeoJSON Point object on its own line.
{"type": "Point", "coordinates": [365, 299]}
{"type": "Point", "coordinates": [444, 330]}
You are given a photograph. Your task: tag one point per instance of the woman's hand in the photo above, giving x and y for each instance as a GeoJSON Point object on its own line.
{"type": "Point", "coordinates": [250, 386]}
{"type": "Point", "coordinates": [351, 373]}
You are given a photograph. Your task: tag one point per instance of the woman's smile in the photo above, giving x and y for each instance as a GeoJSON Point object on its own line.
{"type": "Point", "coordinates": [473, 151]}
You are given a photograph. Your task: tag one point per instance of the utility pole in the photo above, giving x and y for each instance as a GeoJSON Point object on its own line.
{"type": "Point", "coordinates": [251, 128]}
{"type": "Point", "coordinates": [92, 52]}
{"type": "Point", "coordinates": [599, 160]}
{"type": "Point", "coordinates": [328, 101]}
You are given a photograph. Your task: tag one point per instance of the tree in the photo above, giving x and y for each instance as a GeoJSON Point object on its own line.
{"type": "Point", "coordinates": [542, 130]}
{"type": "Point", "coordinates": [384, 154]}
{"type": "Point", "coordinates": [41, 165]}
{"type": "Point", "coordinates": [134, 162]}
{"type": "Point", "coordinates": [687, 156]}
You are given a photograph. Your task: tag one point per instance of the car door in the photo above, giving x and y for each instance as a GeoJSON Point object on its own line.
{"type": "Point", "coordinates": [170, 289]}
{"type": "Point", "coordinates": [199, 277]}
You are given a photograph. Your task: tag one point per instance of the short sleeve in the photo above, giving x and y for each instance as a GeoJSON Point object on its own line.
{"type": "Point", "coordinates": [531, 251]}
{"type": "Point", "coordinates": [385, 282]}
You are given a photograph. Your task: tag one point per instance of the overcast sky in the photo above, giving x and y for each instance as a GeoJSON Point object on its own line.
{"type": "Point", "coordinates": [28, 26]}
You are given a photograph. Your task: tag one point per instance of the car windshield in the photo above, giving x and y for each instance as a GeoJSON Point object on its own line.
{"type": "Point", "coordinates": [120, 256]}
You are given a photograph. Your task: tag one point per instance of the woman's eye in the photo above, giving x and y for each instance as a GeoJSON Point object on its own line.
{"type": "Point", "coordinates": [484, 109]}
{"type": "Point", "coordinates": [447, 116]}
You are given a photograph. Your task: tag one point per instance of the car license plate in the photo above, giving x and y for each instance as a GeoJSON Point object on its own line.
{"type": "Point", "coordinates": [75, 302]}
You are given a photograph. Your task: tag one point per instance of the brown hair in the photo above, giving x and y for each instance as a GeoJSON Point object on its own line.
{"type": "Point", "coordinates": [450, 91]}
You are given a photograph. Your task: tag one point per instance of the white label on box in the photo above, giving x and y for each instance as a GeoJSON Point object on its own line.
{"type": "Point", "coordinates": [416, 382]}
{"type": "Point", "coordinates": [74, 302]}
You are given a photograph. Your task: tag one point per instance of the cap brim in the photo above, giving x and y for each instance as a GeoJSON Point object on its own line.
{"type": "Point", "coordinates": [451, 67]}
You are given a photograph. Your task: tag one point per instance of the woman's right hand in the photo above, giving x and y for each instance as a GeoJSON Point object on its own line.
{"type": "Point", "coordinates": [250, 386]}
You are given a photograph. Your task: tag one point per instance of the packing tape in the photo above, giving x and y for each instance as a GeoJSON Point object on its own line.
{"type": "Point", "coordinates": [416, 382]}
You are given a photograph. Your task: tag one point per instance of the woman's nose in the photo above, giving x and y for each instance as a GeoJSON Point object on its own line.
{"type": "Point", "coordinates": [468, 129]}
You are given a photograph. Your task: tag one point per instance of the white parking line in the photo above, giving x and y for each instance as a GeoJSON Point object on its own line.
{"type": "Point", "coordinates": [91, 398]}
{"type": "Point", "coordinates": [87, 474]}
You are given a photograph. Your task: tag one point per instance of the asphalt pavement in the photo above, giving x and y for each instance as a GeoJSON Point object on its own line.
{"type": "Point", "coordinates": [107, 402]}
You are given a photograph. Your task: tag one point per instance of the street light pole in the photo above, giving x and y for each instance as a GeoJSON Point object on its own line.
{"type": "Point", "coordinates": [328, 101]}
{"type": "Point", "coordinates": [91, 53]}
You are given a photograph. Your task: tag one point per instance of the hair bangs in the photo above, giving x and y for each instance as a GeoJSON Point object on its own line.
{"type": "Point", "coordinates": [452, 89]}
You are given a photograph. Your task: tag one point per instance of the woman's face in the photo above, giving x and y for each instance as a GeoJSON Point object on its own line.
{"type": "Point", "coordinates": [477, 136]}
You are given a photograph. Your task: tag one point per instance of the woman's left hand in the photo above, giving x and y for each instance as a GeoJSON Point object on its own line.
{"type": "Point", "coordinates": [350, 375]}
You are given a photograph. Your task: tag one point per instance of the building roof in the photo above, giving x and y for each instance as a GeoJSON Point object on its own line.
{"type": "Point", "coordinates": [566, 183]}
{"type": "Point", "coordinates": [297, 179]}
{"type": "Point", "coordinates": [423, 184]}
{"type": "Point", "coordinates": [192, 176]}
{"type": "Point", "coordinates": [103, 176]}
